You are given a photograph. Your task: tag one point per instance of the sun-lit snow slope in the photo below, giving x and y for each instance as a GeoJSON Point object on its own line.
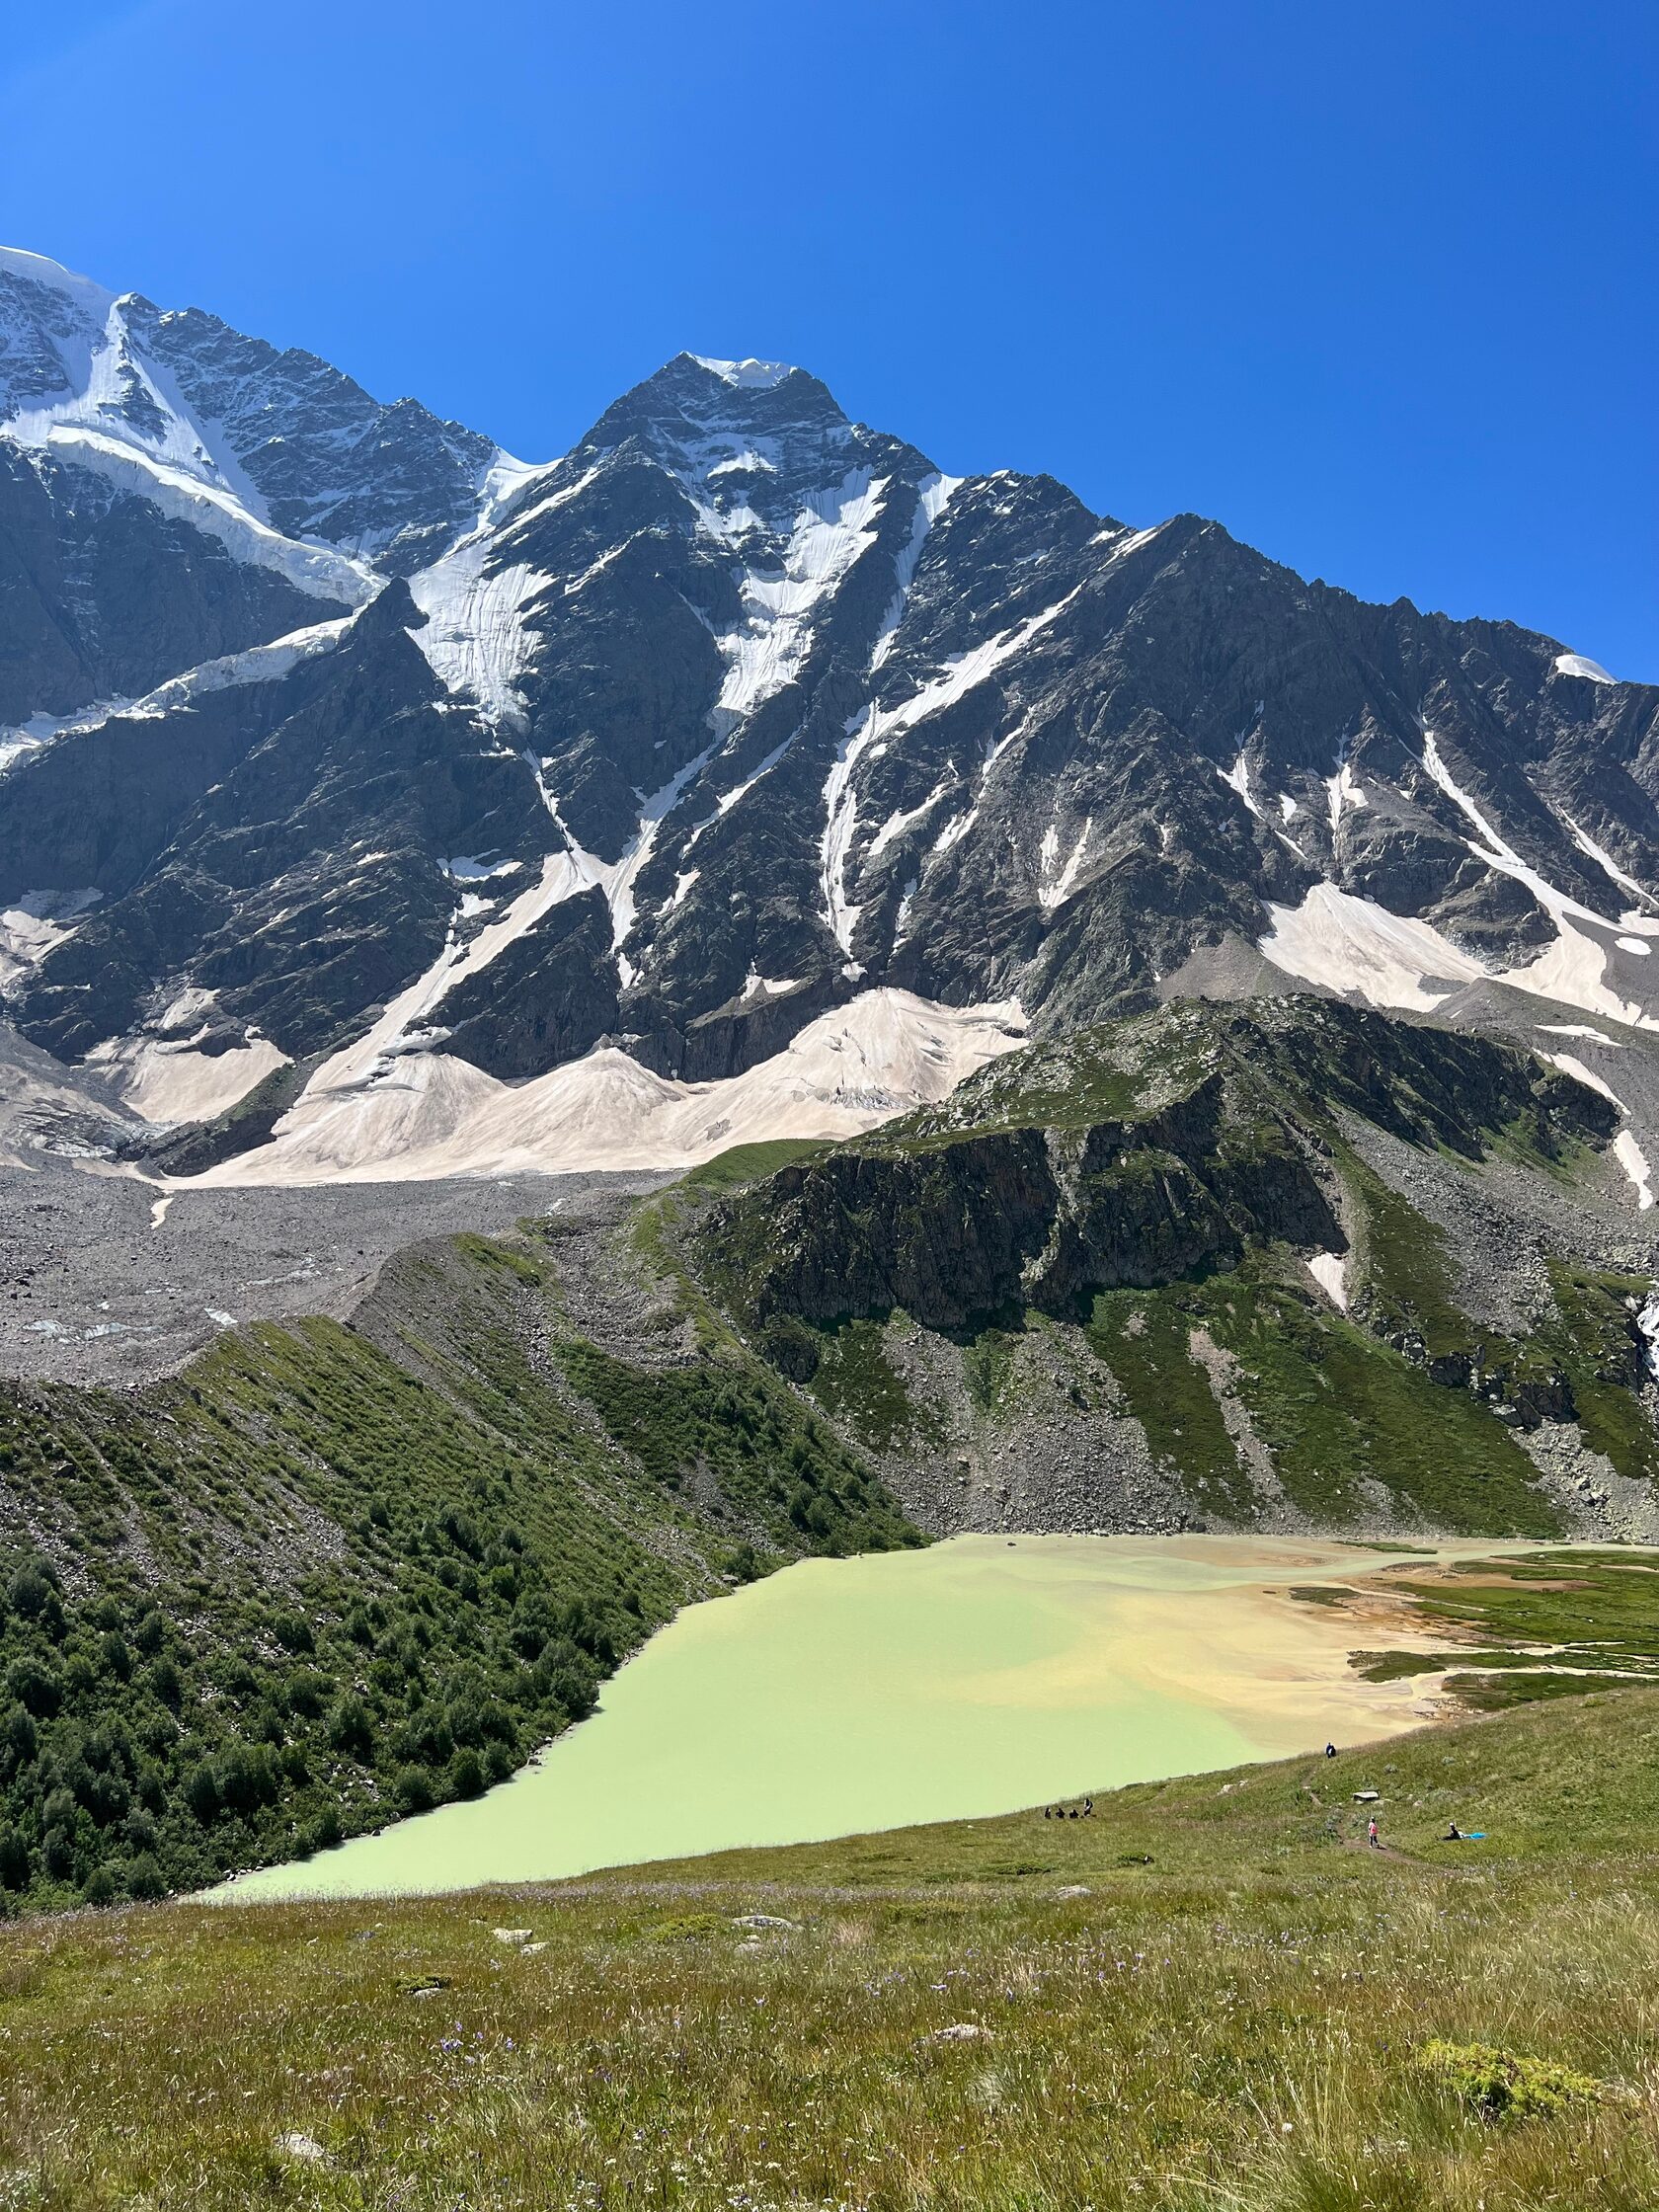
{"type": "Point", "coordinates": [257, 663]}
{"type": "Point", "coordinates": [428, 1115]}
{"type": "Point", "coordinates": [167, 1081]}
{"type": "Point", "coordinates": [287, 461]}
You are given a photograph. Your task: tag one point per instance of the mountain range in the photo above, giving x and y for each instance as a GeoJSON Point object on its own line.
{"type": "Point", "coordinates": [379, 804]}
{"type": "Point", "coordinates": [1144, 1042]}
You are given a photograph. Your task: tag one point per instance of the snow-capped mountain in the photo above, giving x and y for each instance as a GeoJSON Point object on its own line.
{"type": "Point", "coordinates": [742, 728]}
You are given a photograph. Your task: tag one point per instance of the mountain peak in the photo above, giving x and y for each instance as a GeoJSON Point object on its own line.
{"type": "Point", "coordinates": [93, 300]}
{"type": "Point", "coordinates": [750, 376]}
{"type": "Point", "coordinates": [694, 398]}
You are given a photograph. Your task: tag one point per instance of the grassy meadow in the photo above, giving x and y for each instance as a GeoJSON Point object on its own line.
{"type": "Point", "coordinates": [1211, 1994]}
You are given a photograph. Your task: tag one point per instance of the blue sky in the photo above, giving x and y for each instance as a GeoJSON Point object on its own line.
{"type": "Point", "coordinates": [1374, 286]}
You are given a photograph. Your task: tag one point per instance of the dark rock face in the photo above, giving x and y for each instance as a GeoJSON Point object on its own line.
{"type": "Point", "coordinates": [955, 1218]}
{"type": "Point", "coordinates": [104, 597]}
{"type": "Point", "coordinates": [282, 858]}
{"type": "Point", "coordinates": [546, 1001]}
{"type": "Point", "coordinates": [392, 482]}
{"type": "Point", "coordinates": [1033, 1218]}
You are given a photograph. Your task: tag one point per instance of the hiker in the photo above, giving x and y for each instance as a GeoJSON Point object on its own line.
{"type": "Point", "coordinates": [1088, 1809]}
{"type": "Point", "coordinates": [1372, 1836]}
{"type": "Point", "coordinates": [1454, 1834]}
{"type": "Point", "coordinates": [1330, 1750]}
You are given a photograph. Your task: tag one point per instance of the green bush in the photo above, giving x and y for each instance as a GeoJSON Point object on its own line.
{"type": "Point", "coordinates": [1501, 2084]}
{"type": "Point", "coordinates": [466, 1773]}
{"type": "Point", "coordinates": [413, 1791]}
{"type": "Point", "coordinates": [38, 1689]}
{"type": "Point", "coordinates": [144, 1878]}
{"type": "Point", "coordinates": [202, 1794]}
{"type": "Point", "coordinates": [350, 1727]}
{"type": "Point", "coordinates": [14, 1858]}
{"type": "Point", "coordinates": [101, 1887]}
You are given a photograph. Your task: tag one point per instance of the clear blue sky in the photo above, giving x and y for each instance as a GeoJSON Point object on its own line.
{"type": "Point", "coordinates": [1376, 285]}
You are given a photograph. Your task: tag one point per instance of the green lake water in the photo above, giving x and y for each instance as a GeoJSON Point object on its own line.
{"type": "Point", "coordinates": [972, 1678]}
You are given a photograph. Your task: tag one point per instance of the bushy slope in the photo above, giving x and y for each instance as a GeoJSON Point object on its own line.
{"type": "Point", "coordinates": [329, 1574]}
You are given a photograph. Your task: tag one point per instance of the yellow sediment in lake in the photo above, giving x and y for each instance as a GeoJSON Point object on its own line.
{"type": "Point", "coordinates": [972, 1678]}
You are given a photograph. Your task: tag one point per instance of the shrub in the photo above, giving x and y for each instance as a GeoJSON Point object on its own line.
{"type": "Point", "coordinates": [569, 1688]}
{"type": "Point", "coordinates": [423, 1739]}
{"type": "Point", "coordinates": [1501, 2084]}
{"type": "Point", "coordinates": [534, 1625]}
{"type": "Point", "coordinates": [139, 1830]}
{"type": "Point", "coordinates": [101, 1887]}
{"type": "Point", "coordinates": [34, 1687]}
{"type": "Point", "coordinates": [307, 1692]}
{"type": "Point", "coordinates": [293, 1632]}
{"type": "Point", "coordinates": [14, 1858]}
{"type": "Point", "coordinates": [325, 1831]}
{"type": "Point", "coordinates": [412, 1791]}
{"type": "Point", "coordinates": [20, 1740]}
{"type": "Point", "coordinates": [144, 1878]}
{"type": "Point", "coordinates": [350, 1727]}
{"type": "Point", "coordinates": [246, 1776]}
{"type": "Point", "coordinates": [31, 1591]}
{"type": "Point", "coordinates": [466, 1773]}
{"type": "Point", "coordinates": [202, 1794]}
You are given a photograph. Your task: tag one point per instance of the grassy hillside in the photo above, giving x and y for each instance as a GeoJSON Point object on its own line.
{"type": "Point", "coordinates": [1209, 1995]}
{"type": "Point", "coordinates": [332, 1574]}
{"type": "Point", "coordinates": [1121, 1222]}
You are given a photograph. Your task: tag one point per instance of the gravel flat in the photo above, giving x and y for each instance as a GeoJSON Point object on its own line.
{"type": "Point", "coordinates": [105, 1278]}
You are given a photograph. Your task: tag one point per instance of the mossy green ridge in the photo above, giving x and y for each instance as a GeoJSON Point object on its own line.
{"type": "Point", "coordinates": [1130, 1155]}
{"type": "Point", "coordinates": [1156, 1183]}
{"type": "Point", "coordinates": [1209, 1994]}
{"type": "Point", "coordinates": [1336, 1408]}
{"type": "Point", "coordinates": [333, 1573]}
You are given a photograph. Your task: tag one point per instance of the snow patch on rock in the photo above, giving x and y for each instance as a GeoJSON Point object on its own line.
{"type": "Point", "coordinates": [1350, 944]}
{"type": "Point", "coordinates": [1330, 1271]}
{"type": "Point", "coordinates": [1580, 665]}
{"type": "Point", "coordinates": [1633, 1161]}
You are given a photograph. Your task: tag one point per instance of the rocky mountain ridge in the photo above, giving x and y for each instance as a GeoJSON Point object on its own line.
{"type": "Point", "coordinates": [1296, 1264]}
{"type": "Point", "coordinates": [687, 742]}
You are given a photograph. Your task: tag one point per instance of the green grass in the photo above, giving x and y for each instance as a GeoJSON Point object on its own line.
{"type": "Point", "coordinates": [1594, 1343]}
{"type": "Point", "coordinates": [1144, 1337]}
{"type": "Point", "coordinates": [785, 1472]}
{"type": "Point", "coordinates": [1550, 1641]}
{"type": "Point", "coordinates": [1204, 1997]}
{"type": "Point", "coordinates": [1336, 1408]}
{"type": "Point", "coordinates": [858, 1385]}
{"type": "Point", "coordinates": [742, 1164]}
{"type": "Point", "coordinates": [1403, 1269]}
